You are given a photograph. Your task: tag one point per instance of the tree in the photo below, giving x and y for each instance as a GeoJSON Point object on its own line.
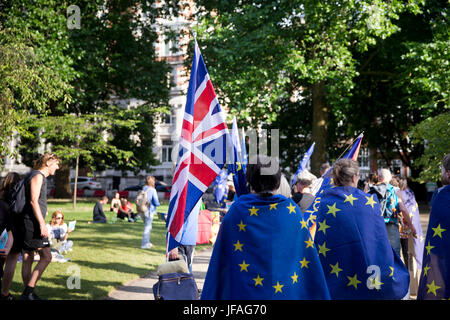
{"type": "Point", "coordinates": [76, 137]}
{"type": "Point", "coordinates": [402, 81]}
{"type": "Point", "coordinates": [29, 83]}
{"type": "Point", "coordinates": [96, 70]}
{"type": "Point", "coordinates": [434, 133]}
{"type": "Point", "coordinates": [260, 51]}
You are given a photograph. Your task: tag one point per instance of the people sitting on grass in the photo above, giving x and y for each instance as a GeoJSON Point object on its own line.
{"type": "Point", "coordinates": [115, 203]}
{"type": "Point", "coordinates": [126, 210]}
{"type": "Point", "coordinates": [58, 234]}
{"type": "Point", "coordinates": [98, 214]}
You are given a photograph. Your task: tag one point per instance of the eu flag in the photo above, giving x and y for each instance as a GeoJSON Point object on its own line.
{"type": "Point", "coordinates": [237, 164]}
{"type": "Point", "coordinates": [220, 188]}
{"type": "Point", "coordinates": [354, 250]}
{"type": "Point", "coordinates": [264, 251]}
{"type": "Point", "coordinates": [303, 163]}
{"type": "Point", "coordinates": [435, 278]}
{"type": "Point", "coordinates": [327, 182]}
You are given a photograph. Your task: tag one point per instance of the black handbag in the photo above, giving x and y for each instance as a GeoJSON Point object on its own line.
{"type": "Point", "coordinates": [176, 286]}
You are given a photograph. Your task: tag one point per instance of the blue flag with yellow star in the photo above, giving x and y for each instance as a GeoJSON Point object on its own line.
{"type": "Point", "coordinates": [327, 182]}
{"type": "Point", "coordinates": [220, 188]}
{"type": "Point", "coordinates": [264, 251]}
{"type": "Point", "coordinates": [354, 250]}
{"type": "Point", "coordinates": [435, 277]}
{"type": "Point", "coordinates": [237, 164]}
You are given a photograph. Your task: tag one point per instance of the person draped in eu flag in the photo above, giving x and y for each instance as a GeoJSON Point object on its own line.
{"type": "Point", "coordinates": [435, 278]}
{"type": "Point", "coordinates": [264, 250]}
{"type": "Point", "coordinates": [352, 242]}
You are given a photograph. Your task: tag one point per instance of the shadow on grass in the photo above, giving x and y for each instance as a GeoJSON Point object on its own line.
{"type": "Point", "coordinates": [116, 266]}
{"type": "Point", "coordinates": [89, 289]}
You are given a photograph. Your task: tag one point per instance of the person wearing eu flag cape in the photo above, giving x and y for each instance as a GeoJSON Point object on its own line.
{"type": "Point", "coordinates": [264, 250]}
{"type": "Point", "coordinates": [352, 241]}
{"type": "Point", "coordinates": [435, 278]}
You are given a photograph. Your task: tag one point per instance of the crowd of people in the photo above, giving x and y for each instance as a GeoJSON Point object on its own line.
{"type": "Point", "coordinates": [361, 240]}
{"type": "Point", "coordinates": [367, 238]}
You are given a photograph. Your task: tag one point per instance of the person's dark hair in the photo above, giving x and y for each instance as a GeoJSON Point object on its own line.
{"type": "Point", "coordinates": [446, 162]}
{"type": "Point", "coordinates": [261, 183]}
{"type": "Point", "coordinates": [343, 172]}
{"type": "Point", "coordinates": [324, 167]}
{"type": "Point", "coordinates": [8, 183]}
{"type": "Point", "coordinates": [373, 177]}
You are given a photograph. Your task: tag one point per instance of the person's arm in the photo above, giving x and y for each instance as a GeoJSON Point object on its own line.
{"type": "Point", "coordinates": [35, 186]}
{"type": "Point", "coordinates": [154, 199]}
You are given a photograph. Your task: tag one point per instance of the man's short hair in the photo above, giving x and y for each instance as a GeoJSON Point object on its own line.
{"type": "Point", "coordinates": [384, 175]}
{"type": "Point", "coordinates": [305, 178]}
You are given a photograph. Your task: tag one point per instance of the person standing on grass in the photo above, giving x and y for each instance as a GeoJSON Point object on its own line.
{"type": "Point", "coordinates": [153, 202]}
{"type": "Point", "coordinates": [33, 227]}
{"type": "Point", "coordinates": [6, 223]}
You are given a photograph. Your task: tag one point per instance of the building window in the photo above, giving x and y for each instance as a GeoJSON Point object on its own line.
{"type": "Point", "coordinates": [363, 158]}
{"type": "Point", "coordinates": [168, 118]}
{"type": "Point", "coordinates": [166, 151]}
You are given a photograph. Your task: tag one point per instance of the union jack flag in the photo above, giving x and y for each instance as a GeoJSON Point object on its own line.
{"type": "Point", "coordinates": [202, 149]}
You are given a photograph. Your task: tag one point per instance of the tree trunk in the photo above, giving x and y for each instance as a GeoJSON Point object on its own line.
{"type": "Point", "coordinates": [75, 186]}
{"type": "Point", "coordinates": [62, 182]}
{"type": "Point", "coordinates": [319, 127]}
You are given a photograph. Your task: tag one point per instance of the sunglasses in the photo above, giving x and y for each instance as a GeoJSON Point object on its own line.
{"type": "Point", "coordinates": [59, 218]}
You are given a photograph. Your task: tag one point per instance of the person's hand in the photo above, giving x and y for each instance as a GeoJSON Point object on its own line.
{"type": "Point", "coordinates": [173, 254]}
{"type": "Point", "coordinates": [44, 230]}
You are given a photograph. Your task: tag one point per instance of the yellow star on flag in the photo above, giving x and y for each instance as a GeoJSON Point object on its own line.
{"type": "Point", "coordinates": [353, 281]}
{"type": "Point", "coordinates": [350, 198]}
{"type": "Point", "coordinates": [432, 288]}
{"type": "Point", "coordinates": [304, 263]}
{"type": "Point", "coordinates": [335, 269]}
{"type": "Point", "coordinates": [258, 280]}
{"type": "Point", "coordinates": [392, 272]}
{"type": "Point", "coordinates": [425, 270]}
{"type": "Point", "coordinates": [294, 278]}
{"type": "Point", "coordinates": [253, 211]}
{"type": "Point", "coordinates": [438, 231]}
{"type": "Point", "coordinates": [238, 246]}
{"type": "Point", "coordinates": [323, 249]}
{"type": "Point", "coordinates": [376, 283]}
{"type": "Point", "coordinates": [243, 266]}
{"type": "Point", "coordinates": [429, 247]}
{"type": "Point", "coordinates": [291, 208]}
{"type": "Point", "coordinates": [309, 243]}
{"type": "Point", "coordinates": [323, 226]}
{"type": "Point", "coordinates": [273, 206]}
{"type": "Point", "coordinates": [239, 167]}
{"type": "Point", "coordinates": [370, 201]}
{"type": "Point", "coordinates": [332, 209]}
{"type": "Point", "coordinates": [278, 287]}
{"type": "Point", "coordinates": [241, 226]}
{"type": "Point", "coordinates": [304, 224]}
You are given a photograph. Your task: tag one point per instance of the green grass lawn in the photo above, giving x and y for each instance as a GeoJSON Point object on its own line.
{"type": "Point", "coordinates": [105, 255]}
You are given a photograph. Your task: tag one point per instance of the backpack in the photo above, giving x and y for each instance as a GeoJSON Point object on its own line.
{"type": "Point", "coordinates": [142, 202]}
{"type": "Point", "coordinates": [18, 197]}
{"type": "Point", "coordinates": [387, 198]}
